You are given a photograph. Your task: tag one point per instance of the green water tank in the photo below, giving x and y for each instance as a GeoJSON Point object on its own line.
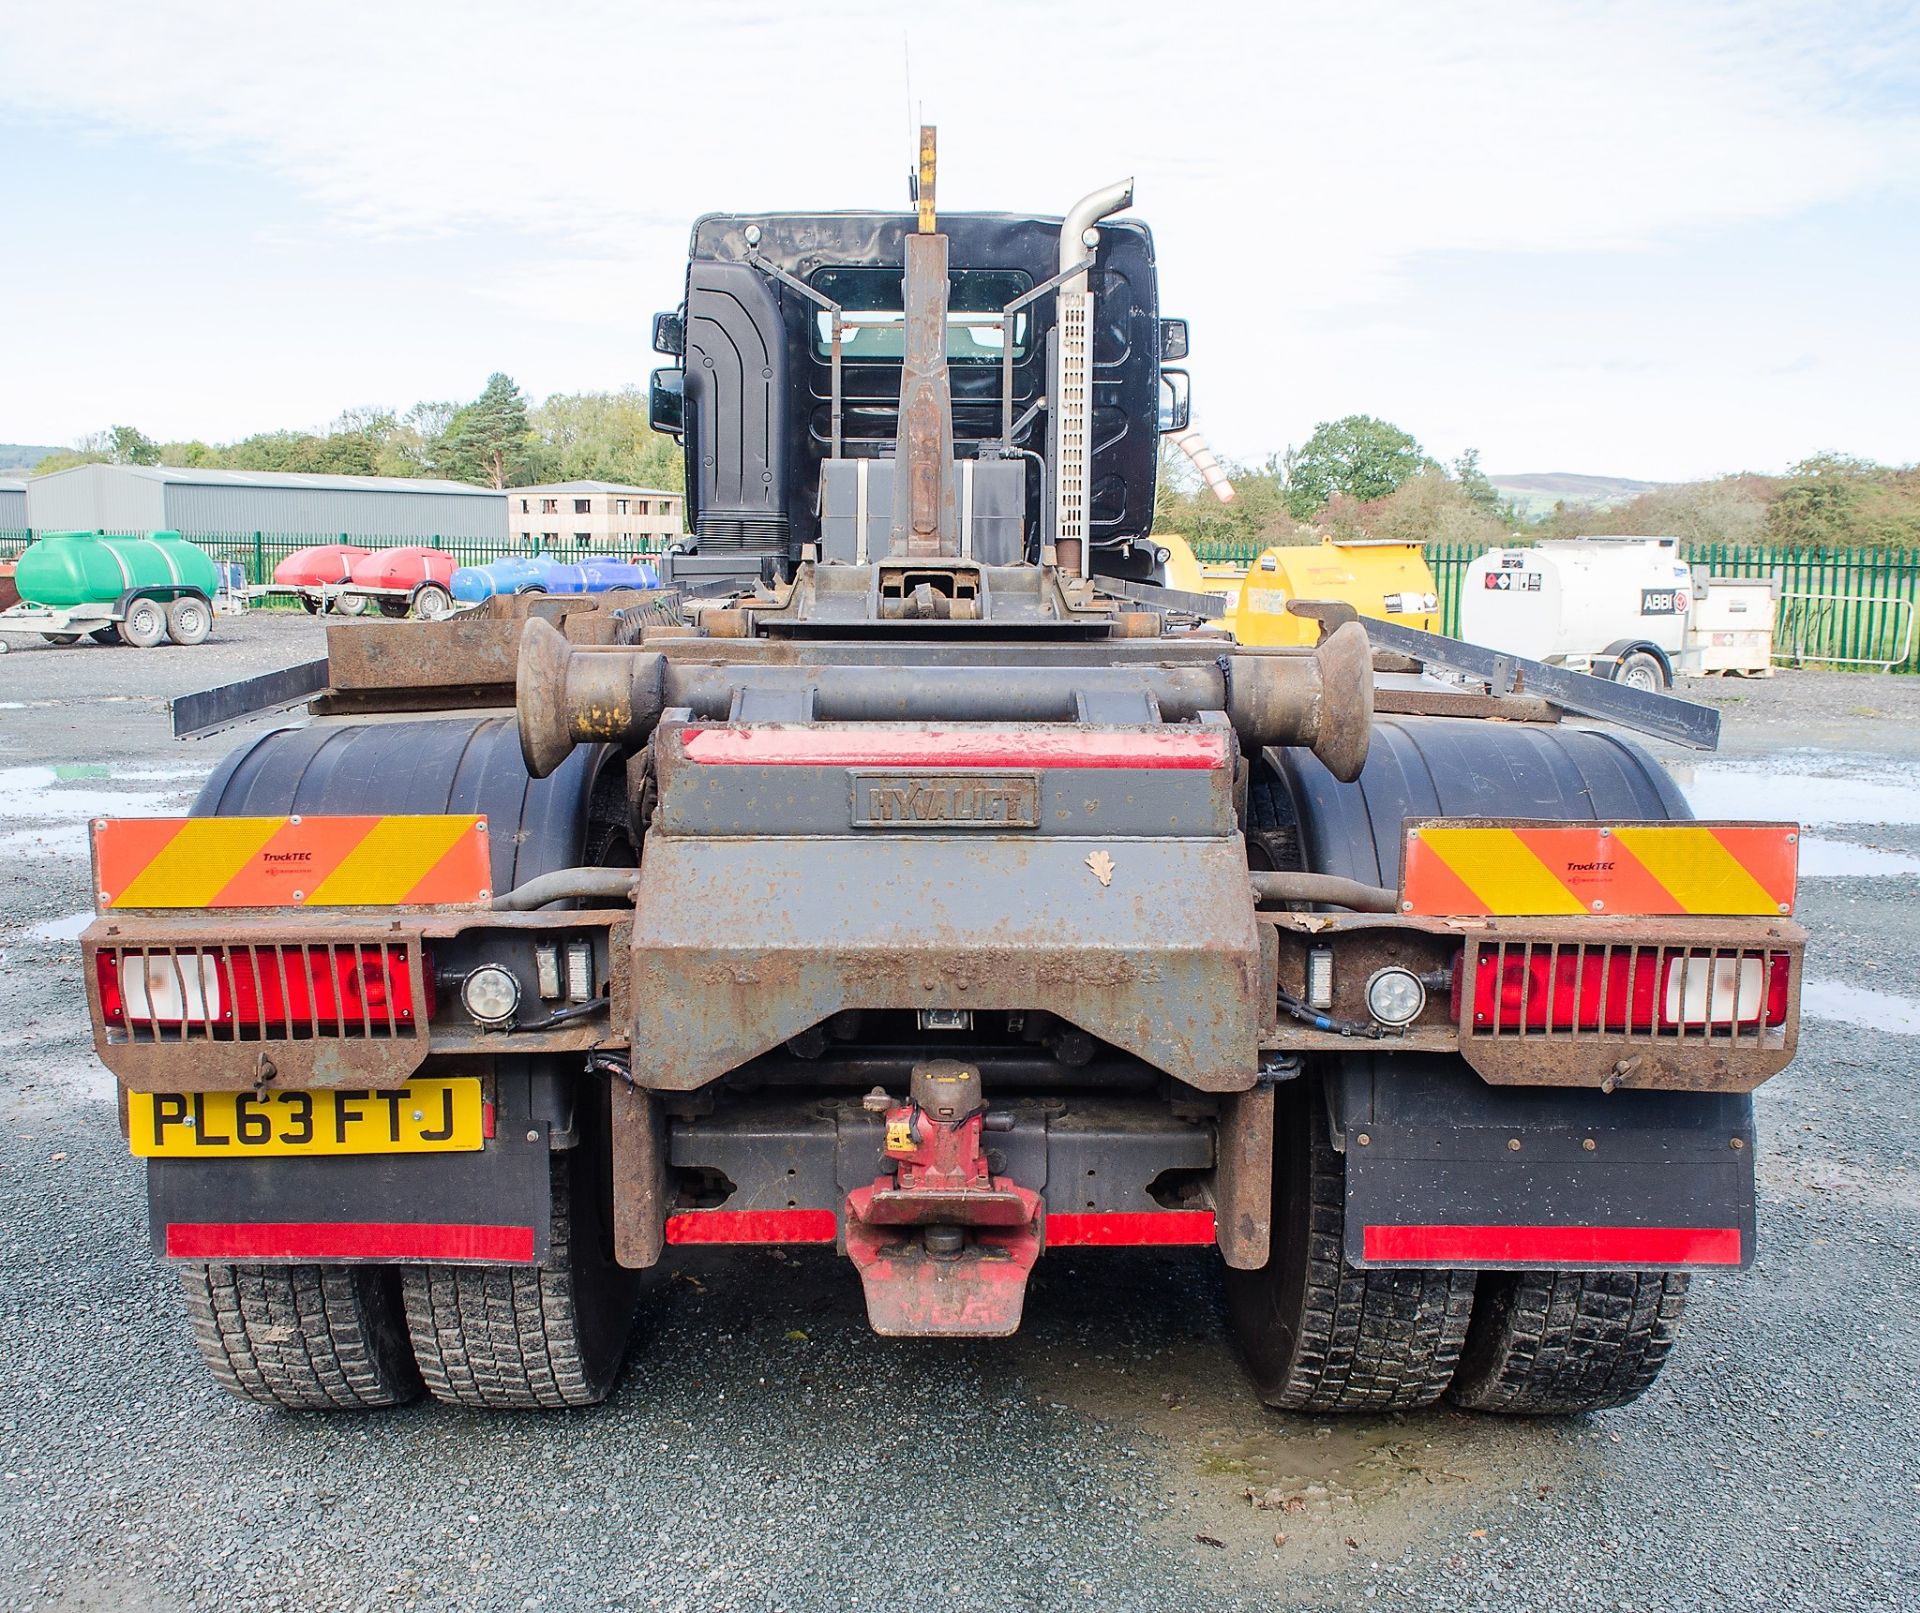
{"type": "Point", "coordinates": [83, 568]}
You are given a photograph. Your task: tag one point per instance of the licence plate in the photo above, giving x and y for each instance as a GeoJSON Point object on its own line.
{"type": "Point", "coordinates": [428, 1116]}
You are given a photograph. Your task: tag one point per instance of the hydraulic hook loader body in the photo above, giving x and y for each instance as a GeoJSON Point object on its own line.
{"type": "Point", "coordinates": [910, 876]}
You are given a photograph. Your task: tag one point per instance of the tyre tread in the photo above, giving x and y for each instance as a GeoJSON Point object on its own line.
{"type": "Point", "coordinates": [301, 1337]}
{"type": "Point", "coordinates": [1368, 1340]}
{"type": "Point", "coordinates": [506, 1337]}
{"type": "Point", "coordinates": [1559, 1342]}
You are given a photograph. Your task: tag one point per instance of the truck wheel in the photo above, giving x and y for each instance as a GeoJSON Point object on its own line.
{"type": "Point", "coordinates": [61, 640]}
{"type": "Point", "coordinates": [144, 625]}
{"type": "Point", "coordinates": [1639, 670]}
{"type": "Point", "coordinates": [304, 1337]}
{"type": "Point", "coordinates": [432, 603]}
{"type": "Point", "coordinates": [349, 604]}
{"type": "Point", "coordinates": [1546, 1342]}
{"type": "Point", "coordinates": [110, 634]}
{"type": "Point", "coordinates": [310, 603]}
{"type": "Point", "coordinates": [189, 621]}
{"type": "Point", "coordinates": [528, 1337]}
{"type": "Point", "coordinates": [395, 608]}
{"type": "Point", "coordinates": [1318, 1334]}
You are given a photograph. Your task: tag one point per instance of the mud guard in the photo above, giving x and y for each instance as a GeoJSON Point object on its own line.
{"type": "Point", "coordinates": [1443, 1170]}
{"type": "Point", "coordinates": [490, 1207]}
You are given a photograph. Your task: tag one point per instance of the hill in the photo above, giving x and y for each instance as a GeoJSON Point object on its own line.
{"type": "Point", "coordinates": [17, 458]}
{"type": "Point", "coordinates": [1536, 492]}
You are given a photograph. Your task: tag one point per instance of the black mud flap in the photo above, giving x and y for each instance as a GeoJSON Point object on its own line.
{"type": "Point", "coordinates": [491, 1206]}
{"type": "Point", "coordinates": [1446, 1171]}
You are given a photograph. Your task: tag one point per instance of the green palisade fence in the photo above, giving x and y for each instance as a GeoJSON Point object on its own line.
{"type": "Point", "coordinates": [1837, 607]}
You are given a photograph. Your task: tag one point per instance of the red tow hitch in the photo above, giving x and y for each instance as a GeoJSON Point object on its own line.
{"type": "Point", "coordinates": [942, 1245]}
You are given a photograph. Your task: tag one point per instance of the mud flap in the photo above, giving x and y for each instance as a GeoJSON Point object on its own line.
{"type": "Point", "coordinates": [1443, 1170]}
{"type": "Point", "coordinates": [493, 1206]}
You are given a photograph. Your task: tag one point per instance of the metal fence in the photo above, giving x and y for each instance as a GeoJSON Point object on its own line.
{"type": "Point", "coordinates": [1837, 607]}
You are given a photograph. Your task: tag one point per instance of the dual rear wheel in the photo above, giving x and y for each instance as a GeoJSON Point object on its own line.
{"type": "Point", "coordinates": [1319, 1334]}
{"type": "Point", "coordinates": [341, 1338]}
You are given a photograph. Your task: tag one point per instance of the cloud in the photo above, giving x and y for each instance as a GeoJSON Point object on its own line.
{"type": "Point", "coordinates": [1299, 162]}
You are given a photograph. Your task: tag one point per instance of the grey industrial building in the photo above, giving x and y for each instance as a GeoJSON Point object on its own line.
{"type": "Point", "coordinates": [13, 508]}
{"type": "Point", "coordinates": [223, 503]}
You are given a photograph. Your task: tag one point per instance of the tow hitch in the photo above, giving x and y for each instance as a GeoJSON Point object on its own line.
{"type": "Point", "coordinates": [942, 1245]}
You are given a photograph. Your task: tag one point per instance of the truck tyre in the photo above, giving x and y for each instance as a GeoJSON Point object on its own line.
{"type": "Point", "coordinates": [432, 603]}
{"type": "Point", "coordinates": [311, 604]}
{"type": "Point", "coordinates": [327, 1338]}
{"type": "Point", "coordinates": [396, 608]}
{"type": "Point", "coordinates": [189, 620]}
{"type": "Point", "coordinates": [60, 641]}
{"type": "Point", "coordinates": [1553, 1342]}
{"type": "Point", "coordinates": [1318, 1334]}
{"type": "Point", "coordinates": [1639, 670]}
{"type": "Point", "coordinates": [529, 1337]}
{"type": "Point", "coordinates": [144, 625]}
{"type": "Point", "coordinates": [110, 634]}
{"type": "Point", "coordinates": [349, 605]}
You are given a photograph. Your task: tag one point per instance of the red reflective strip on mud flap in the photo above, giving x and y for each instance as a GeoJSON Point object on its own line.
{"type": "Point", "coordinates": [753, 1226]}
{"type": "Point", "coordinates": [1125, 1228]}
{"type": "Point", "coordinates": [1178, 749]}
{"type": "Point", "coordinates": [348, 1240]}
{"type": "Point", "coordinates": [1494, 1245]}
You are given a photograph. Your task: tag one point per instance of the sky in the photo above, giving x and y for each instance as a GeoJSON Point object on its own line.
{"type": "Point", "coordinates": [1657, 240]}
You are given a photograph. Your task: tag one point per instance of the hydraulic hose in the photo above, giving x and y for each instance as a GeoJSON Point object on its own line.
{"type": "Point", "coordinates": [564, 884]}
{"type": "Point", "coordinates": [1329, 889]}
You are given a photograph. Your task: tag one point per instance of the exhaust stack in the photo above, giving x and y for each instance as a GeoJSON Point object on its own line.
{"type": "Point", "coordinates": [1073, 377]}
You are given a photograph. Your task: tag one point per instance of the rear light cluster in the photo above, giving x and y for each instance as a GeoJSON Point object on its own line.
{"type": "Point", "coordinates": [293, 990]}
{"type": "Point", "coordinates": [1521, 988]}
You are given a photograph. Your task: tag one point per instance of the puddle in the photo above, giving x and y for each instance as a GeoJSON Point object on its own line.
{"type": "Point", "coordinates": [1856, 1005]}
{"type": "Point", "coordinates": [1839, 859]}
{"type": "Point", "coordinates": [73, 794]}
{"type": "Point", "coordinates": [60, 929]}
{"type": "Point", "coordinates": [1887, 799]}
{"type": "Point", "coordinates": [1348, 1460]}
{"type": "Point", "coordinates": [1722, 790]}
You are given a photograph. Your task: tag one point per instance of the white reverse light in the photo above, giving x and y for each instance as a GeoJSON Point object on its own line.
{"type": "Point", "coordinates": [491, 994]}
{"type": "Point", "coordinates": [171, 988]}
{"type": "Point", "coordinates": [1395, 996]}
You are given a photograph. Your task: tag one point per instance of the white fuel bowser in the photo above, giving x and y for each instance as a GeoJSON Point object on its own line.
{"type": "Point", "coordinates": [1617, 607]}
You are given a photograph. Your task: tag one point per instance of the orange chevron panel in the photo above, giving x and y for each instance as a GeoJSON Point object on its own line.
{"type": "Point", "coordinates": [300, 861]}
{"type": "Point", "coordinates": [1516, 868]}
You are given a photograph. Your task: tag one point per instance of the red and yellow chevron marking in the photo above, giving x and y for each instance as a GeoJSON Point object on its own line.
{"type": "Point", "coordinates": [290, 862]}
{"type": "Point", "coordinates": [1522, 868]}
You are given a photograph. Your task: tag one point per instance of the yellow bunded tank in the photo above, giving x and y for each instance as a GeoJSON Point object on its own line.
{"type": "Point", "coordinates": [1385, 580]}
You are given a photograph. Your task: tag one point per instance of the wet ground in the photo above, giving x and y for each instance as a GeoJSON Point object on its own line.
{"type": "Point", "coordinates": [766, 1451]}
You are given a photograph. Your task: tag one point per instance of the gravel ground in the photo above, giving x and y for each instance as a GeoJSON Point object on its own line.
{"type": "Point", "coordinates": [764, 1450]}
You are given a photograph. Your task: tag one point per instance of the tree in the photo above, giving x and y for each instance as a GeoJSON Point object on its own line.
{"type": "Point", "coordinates": [1360, 456]}
{"type": "Point", "coordinates": [604, 436]}
{"type": "Point", "coordinates": [1474, 483]}
{"type": "Point", "coordinates": [489, 439]}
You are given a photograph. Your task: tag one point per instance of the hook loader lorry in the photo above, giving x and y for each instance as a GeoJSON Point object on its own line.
{"type": "Point", "coordinates": [903, 877]}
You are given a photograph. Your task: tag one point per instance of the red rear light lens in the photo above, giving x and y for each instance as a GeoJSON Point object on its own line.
{"type": "Point", "coordinates": [322, 990]}
{"type": "Point", "coordinates": [1543, 989]}
{"type": "Point", "coordinates": [1564, 991]}
{"type": "Point", "coordinates": [318, 990]}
